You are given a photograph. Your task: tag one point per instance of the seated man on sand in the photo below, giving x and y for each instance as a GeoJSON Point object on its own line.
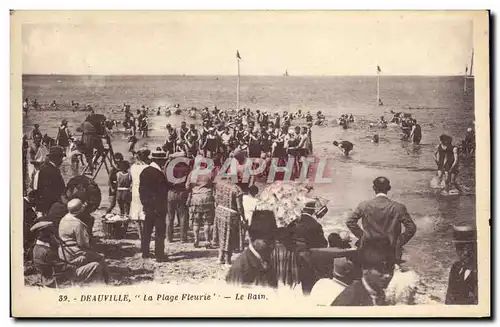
{"type": "Point", "coordinates": [74, 233]}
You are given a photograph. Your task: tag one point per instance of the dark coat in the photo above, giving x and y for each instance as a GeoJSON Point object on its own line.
{"type": "Point", "coordinates": [354, 295]}
{"type": "Point", "coordinates": [153, 190]}
{"type": "Point", "coordinates": [247, 269]}
{"type": "Point", "coordinates": [50, 187]}
{"type": "Point", "coordinates": [460, 290]}
{"type": "Point", "coordinates": [307, 230]}
{"type": "Point", "coordinates": [382, 217]}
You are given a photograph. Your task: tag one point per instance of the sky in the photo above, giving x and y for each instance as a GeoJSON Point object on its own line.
{"type": "Point", "coordinates": [205, 43]}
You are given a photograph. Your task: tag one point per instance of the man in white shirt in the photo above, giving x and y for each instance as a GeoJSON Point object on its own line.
{"type": "Point", "coordinates": [325, 291]}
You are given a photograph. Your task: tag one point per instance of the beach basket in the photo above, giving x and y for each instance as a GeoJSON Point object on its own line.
{"type": "Point", "coordinates": [115, 229]}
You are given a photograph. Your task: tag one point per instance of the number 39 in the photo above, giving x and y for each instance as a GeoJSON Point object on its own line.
{"type": "Point", "coordinates": [63, 298]}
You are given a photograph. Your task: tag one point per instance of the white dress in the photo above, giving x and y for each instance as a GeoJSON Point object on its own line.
{"type": "Point", "coordinates": [136, 212]}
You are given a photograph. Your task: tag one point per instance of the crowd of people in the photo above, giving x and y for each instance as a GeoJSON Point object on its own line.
{"type": "Point", "coordinates": [58, 218]}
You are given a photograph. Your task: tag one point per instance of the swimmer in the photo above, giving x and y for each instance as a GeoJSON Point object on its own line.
{"type": "Point", "coordinates": [469, 143]}
{"type": "Point", "coordinates": [375, 138]}
{"type": "Point", "coordinates": [344, 146]}
{"type": "Point", "coordinates": [446, 158]}
{"type": "Point", "coordinates": [382, 122]}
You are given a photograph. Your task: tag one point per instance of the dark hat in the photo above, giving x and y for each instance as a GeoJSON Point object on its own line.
{"type": "Point", "coordinates": [311, 204]}
{"type": "Point", "coordinates": [335, 241]}
{"type": "Point", "coordinates": [263, 225]}
{"type": "Point", "coordinates": [464, 234]}
{"type": "Point", "coordinates": [56, 151]}
{"type": "Point", "coordinates": [144, 152]}
{"type": "Point", "coordinates": [41, 225]}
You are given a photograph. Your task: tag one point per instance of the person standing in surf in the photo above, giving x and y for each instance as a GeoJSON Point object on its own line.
{"type": "Point", "coordinates": [63, 136]}
{"type": "Point", "coordinates": [446, 158]}
{"type": "Point", "coordinates": [416, 133]}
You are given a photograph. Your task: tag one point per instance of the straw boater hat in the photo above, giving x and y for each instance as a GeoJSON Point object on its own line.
{"type": "Point", "coordinates": [464, 234]}
{"type": "Point", "coordinates": [158, 154]}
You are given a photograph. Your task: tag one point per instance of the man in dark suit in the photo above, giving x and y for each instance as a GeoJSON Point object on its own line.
{"type": "Point", "coordinates": [462, 284]}
{"type": "Point", "coordinates": [377, 261]}
{"type": "Point", "coordinates": [153, 191]}
{"type": "Point", "coordinates": [252, 266]}
{"type": "Point", "coordinates": [50, 183]}
{"type": "Point", "coordinates": [307, 233]}
{"type": "Point", "coordinates": [382, 217]}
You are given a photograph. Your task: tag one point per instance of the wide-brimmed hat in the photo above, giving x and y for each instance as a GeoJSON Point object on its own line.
{"type": "Point", "coordinates": [464, 234]}
{"type": "Point", "coordinates": [158, 154]}
{"type": "Point", "coordinates": [41, 225]}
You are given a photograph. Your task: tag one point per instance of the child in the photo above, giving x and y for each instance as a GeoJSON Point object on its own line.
{"type": "Point", "coordinates": [74, 153]}
{"type": "Point", "coordinates": [113, 183]}
{"type": "Point", "coordinates": [123, 192]}
{"type": "Point", "coordinates": [132, 140]}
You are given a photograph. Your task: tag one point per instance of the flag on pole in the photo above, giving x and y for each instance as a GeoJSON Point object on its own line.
{"type": "Point", "coordinates": [378, 69]}
{"type": "Point", "coordinates": [238, 55]}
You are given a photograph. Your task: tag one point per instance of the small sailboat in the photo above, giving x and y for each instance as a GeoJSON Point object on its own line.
{"type": "Point", "coordinates": [286, 73]}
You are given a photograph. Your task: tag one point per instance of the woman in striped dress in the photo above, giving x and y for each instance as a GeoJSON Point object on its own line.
{"type": "Point", "coordinates": [228, 213]}
{"type": "Point", "coordinates": [201, 203]}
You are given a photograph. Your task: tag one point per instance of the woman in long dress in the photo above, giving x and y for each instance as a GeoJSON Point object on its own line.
{"type": "Point", "coordinates": [228, 213]}
{"type": "Point", "coordinates": [136, 212]}
{"type": "Point", "coordinates": [201, 204]}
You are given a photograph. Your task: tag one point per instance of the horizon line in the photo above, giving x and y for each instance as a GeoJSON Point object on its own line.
{"type": "Point", "coordinates": [248, 75]}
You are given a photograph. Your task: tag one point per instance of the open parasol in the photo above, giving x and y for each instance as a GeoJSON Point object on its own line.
{"type": "Point", "coordinates": [87, 185]}
{"type": "Point", "coordinates": [287, 200]}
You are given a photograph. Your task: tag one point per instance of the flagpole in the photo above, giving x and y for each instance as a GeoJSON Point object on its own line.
{"type": "Point", "coordinates": [471, 63]}
{"type": "Point", "coordinates": [465, 80]}
{"type": "Point", "coordinates": [378, 86]}
{"type": "Point", "coordinates": [238, 87]}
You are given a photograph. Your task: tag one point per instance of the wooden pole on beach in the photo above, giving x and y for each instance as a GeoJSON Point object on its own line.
{"type": "Point", "coordinates": [238, 81]}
